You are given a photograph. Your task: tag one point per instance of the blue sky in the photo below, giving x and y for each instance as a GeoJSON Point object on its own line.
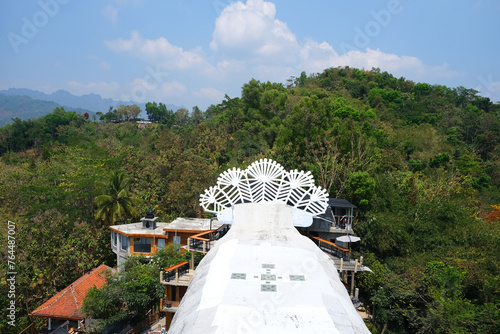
{"type": "Point", "coordinates": [194, 52]}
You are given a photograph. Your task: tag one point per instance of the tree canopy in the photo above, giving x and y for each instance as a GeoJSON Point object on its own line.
{"type": "Point", "coordinates": [421, 162]}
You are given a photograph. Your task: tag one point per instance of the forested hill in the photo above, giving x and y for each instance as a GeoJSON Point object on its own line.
{"type": "Point", "coordinates": [25, 108]}
{"type": "Point", "coordinates": [91, 102]}
{"type": "Point", "coordinates": [421, 163]}
{"type": "Point", "coordinates": [26, 103]}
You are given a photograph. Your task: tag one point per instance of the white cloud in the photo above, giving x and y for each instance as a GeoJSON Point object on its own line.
{"type": "Point", "coordinates": [173, 89]}
{"type": "Point", "coordinates": [141, 91]}
{"type": "Point", "coordinates": [210, 94]}
{"type": "Point", "coordinates": [142, 84]}
{"type": "Point", "coordinates": [316, 57]}
{"type": "Point", "coordinates": [103, 65]}
{"type": "Point", "coordinates": [111, 13]}
{"type": "Point", "coordinates": [249, 41]}
{"type": "Point", "coordinates": [407, 66]}
{"type": "Point", "coordinates": [252, 29]}
{"type": "Point", "coordinates": [159, 52]}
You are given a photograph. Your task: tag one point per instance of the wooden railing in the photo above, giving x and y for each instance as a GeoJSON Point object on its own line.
{"type": "Point", "coordinates": [173, 272]}
{"type": "Point", "coordinates": [201, 242]}
{"type": "Point", "coordinates": [30, 327]}
{"type": "Point", "coordinates": [331, 248]}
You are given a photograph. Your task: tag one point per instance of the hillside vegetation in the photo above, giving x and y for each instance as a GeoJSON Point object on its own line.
{"type": "Point", "coordinates": [421, 162]}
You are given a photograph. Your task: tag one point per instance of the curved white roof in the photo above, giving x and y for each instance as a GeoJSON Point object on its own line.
{"type": "Point", "coordinates": [265, 277]}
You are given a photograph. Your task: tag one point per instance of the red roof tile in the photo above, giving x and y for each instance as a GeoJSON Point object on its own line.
{"type": "Point", "coordinates": [66, 304]}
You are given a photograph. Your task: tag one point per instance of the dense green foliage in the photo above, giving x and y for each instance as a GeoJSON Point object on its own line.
{"type": "Point", "coordinates": [421, 162]}
{"type": "Point", "coordinates": [134, 290]}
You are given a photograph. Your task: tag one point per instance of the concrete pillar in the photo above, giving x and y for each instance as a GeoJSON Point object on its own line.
{"type": "Point", "coordinates": [344, 276]}
{"type": "Point", "coordinates": [352, 283]}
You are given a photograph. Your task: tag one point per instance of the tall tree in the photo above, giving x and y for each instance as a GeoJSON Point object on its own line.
{"type": "Point", "coordinates": [118, 202]}
{"type": "Point", "coordinates": [197, 115]}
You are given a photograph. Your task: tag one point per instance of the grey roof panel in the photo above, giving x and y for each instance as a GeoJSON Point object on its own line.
{"type": "Point", "coordinates": [340, 203]}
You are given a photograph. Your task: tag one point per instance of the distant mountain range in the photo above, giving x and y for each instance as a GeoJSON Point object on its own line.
{"type": "Point", "coordinates": [23, 107]}
{"type": "Point", "coordinates": [26, 103]}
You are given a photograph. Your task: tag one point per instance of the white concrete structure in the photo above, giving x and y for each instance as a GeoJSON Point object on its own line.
{"type": "Point", "coordinates": [266, 181]}
{"type": "Point", "coordinates": [149, 236]}
{"type": "Point", "coordinates": [263, 276]}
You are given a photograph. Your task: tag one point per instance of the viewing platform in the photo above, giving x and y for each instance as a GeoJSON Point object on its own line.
{"type": "Point", "coordinates": [341, 256]}
{"type": "Point", "coordinates": [179, 274]}
{"type": "Point", "coordinates": [202, 242]}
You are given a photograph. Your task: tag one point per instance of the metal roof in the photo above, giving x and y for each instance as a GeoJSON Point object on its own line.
{"type": "Point", "coordinates": [340, 203]}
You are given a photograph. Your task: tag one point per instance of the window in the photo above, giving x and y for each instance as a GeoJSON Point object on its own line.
{"type": "Point", "coordinates": [161, 243]}
{"type": "Point", "coordinates": [142, 245]}
{"type": "Point", "coordinates": [177, 243]}
{"type": "Point", "coordinates": [114, 237]}
{"type": "Point", "coordinates": [123, 242]}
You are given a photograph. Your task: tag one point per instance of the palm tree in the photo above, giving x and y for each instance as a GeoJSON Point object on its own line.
{"type": "Point", "coordinates": [117, 202]}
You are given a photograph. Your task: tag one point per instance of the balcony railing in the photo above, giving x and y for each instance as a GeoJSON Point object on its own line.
{"type": "Point", "coordinates": [331, 248]}
{"type": "Point", "coordinates": [174, 272]}
{"type": "Point", "coordinates": [203, 241]}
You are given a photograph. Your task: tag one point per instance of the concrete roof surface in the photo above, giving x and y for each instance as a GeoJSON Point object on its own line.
{"type": "Point", "coordinates": [136, 228]}
{"type": "Point", "coordinates": [201, 224]}
{"type": "Point", "coordinates": [191, 224]}
{"type": "Point", "coordinates": [265, 277]}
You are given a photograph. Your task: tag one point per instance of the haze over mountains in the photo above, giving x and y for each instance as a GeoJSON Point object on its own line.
{"type": "Point", "coordinates": [27, 103]}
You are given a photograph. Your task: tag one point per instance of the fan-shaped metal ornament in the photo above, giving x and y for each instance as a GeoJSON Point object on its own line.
{"type": "Point", "coordinates": [265, 180]}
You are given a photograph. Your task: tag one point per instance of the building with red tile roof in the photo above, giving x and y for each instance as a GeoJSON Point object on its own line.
{"type": "Point", "coordinates": [66, 305]}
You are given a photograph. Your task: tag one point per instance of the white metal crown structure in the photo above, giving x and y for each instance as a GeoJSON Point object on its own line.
{"type": "Point", "coordinates": [266, 180]}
